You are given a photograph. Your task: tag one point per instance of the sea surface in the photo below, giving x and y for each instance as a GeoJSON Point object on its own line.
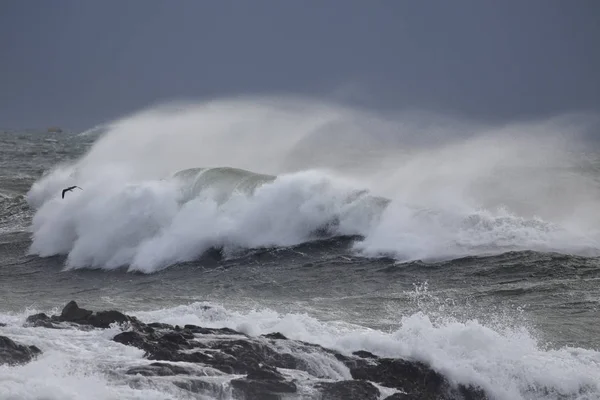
{"type": "Point", "coordinates": [476, 252]}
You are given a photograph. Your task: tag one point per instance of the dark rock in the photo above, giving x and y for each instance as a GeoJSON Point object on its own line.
{"type": "Point", "coordinates": [364, 354]}
{"type": "Point", "coordinates": [72, 313]}
{"type": "Point", "coordinates": [274, 335]}
{"type": "Point", "coordinates": [42, 320]}
{"type": "Point", "coordinates": [145, 328]}
{"type": "Point", "coordinates": [259, 389]}
{"type": "Point", "coordinates": [342, 390]}
{"type": "Point", "coordinates": [159, 369]}
{"type": "Point", "coordinates": [246, 355]}
{"type": "Point", "coordinates": [104, 319]}
{"type": "Point", "coordinates": [199, 386]}
{"type": "Point", "coordinates": [131, 338]}
{"type": "Point", "coordinates": [414, 378]}
{"type": "Point", "coordinates": [401, 374]}
{"type": "Point", "coordinates": [353, 362]}
{"type": "Point", "coordinates": [227, 331]}
{"type": "Point", "coordinates": [212, 331]}
{"type": "Point", "coordinates": [158, 325]}
{"type": "Point", "coordinates": [176, 338]}
{"type": "Point", "coordinates": [164, 346]}
{"type": "Point", "coordinates": [400, 396]}
{"type": "Point", "coordinates": [229, 356]}
{"type": "Point", "coordinates": [265, 373]}
{"type": "Point", "coordinates": [13, 353]}
{"type": "Point", "coordinates": [471, 392]}
{"type": "Point", "coordinates": [2, 324]}
{"type": "Point", "coordinates": [198, 329]}
{"type": "Point", "coordinates": [232, 352]}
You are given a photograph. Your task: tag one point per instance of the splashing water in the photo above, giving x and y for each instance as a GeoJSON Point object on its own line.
{"type": "Point", "coordinates": [165, 185]}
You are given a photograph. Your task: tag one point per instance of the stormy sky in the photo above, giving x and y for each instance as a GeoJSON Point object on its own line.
{"type": "Point", "coordinates": [76, 63]}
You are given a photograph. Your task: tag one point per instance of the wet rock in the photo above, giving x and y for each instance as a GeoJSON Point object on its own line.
{"type": "Point", "coordinates": [199, 386]}
{"type": "Point", "coordinates": [177, 338]}
{"type": "Point", "coordinates": [159, 369]}
{"type": "Point", "coordinates": [261, 390]}
{"type": "Point", "coordinates": [262, 383]}
{"type": "Point", "coordinates": [400, 374]}
{"type": "Point", "coordinates": [265, 373]}
{"type": "Point", "coordinates": [131, 338]}
{"type": "Point", "coordinates": [399, 396]}
{"type": "Point", "coordinates": [158, 325]}
{"type": "Point", "coordinates": [274, 335]}
{"type": "Point", "coordinates": [212, 331]}
{"type": "Point", "coordinates": [165, 346]}
{"type": "Point", "coordinates": [42, 320]}
{"type": "Point", "coordinates": [356, 390]}
{"type": "Point", "coordinates": [72, 313]}
{"type": "Point", "coordinates": [263, 386]}
{"type": "Point", "coordinates": [248, 355]}
{"type": "Point", "coordinates": [233, 356]}
{"type": "Point", "coordinates": [471, 392]}
{"type": "Point", "coordinates": [102, 319]}
{"type": "Point", "coordinates": [13, 353]}
{"type": "Point", "coordinates": [364, 354]}
{"type": "Point", "coordinates": [259, 360]}
{"type": "Point", "coordinates": [414, 378]}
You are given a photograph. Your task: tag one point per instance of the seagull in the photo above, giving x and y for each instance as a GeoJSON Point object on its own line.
{"type": "Point", "coordinates": [68, 190]}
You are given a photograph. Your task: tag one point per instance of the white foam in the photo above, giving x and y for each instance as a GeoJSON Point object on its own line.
{"type": "Point", "coordinates": [408, 234]}
{"type": "Point", "coordinates": [74, 365]}
{"type": "Point", "coordinates": [500, 188]}
{"type": "Point", "coordinates": [507, 361]}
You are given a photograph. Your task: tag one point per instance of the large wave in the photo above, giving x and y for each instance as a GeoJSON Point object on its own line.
{"type": "Point", "coordinates": [165, 185]}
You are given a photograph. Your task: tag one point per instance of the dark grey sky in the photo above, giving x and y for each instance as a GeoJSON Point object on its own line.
{"type": "Point", "coordinates": [79, 63]}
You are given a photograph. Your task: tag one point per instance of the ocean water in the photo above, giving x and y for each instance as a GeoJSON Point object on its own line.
{"type": "Point", "coordinates": [472, 248]}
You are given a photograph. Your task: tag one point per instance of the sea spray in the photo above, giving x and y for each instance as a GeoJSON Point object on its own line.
{"type": "Point", "coordinates": [435, 191]}
{"type": "Point", "coordinates": [508, 362]}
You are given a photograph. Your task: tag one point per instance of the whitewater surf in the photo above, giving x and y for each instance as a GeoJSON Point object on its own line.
{"type": "Point", "coordinates": [469, 249]}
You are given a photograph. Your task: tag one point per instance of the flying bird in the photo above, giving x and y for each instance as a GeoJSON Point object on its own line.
{"type": "Point", "coordinates": [69, 189]}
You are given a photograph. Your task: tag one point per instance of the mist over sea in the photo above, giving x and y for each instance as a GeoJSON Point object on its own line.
{"type": "Point", "coordinates": [469, 247]}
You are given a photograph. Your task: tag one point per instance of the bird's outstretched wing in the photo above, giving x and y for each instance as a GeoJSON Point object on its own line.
{"type": "Point", "coordinates": [69, 189]}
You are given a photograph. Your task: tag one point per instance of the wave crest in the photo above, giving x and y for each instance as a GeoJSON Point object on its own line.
{"type": "Point", "coordinates": [150, 225]}
{"type": "Point", "coordinates": [331, 171]}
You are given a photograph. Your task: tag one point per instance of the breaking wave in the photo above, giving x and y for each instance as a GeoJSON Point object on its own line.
{"type": "Point", "coordinates": [280, 173]}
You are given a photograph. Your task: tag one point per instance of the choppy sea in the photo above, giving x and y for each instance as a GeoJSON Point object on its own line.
{"type": "Point", "coordinates": [475, 250]}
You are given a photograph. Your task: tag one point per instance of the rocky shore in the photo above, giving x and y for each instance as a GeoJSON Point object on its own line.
{"type": "Point", "coordinates": [266, 367]}
{"type": "Point", "coordinates": [13, 353]}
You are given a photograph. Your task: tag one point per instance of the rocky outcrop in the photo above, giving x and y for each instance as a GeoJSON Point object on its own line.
{"type": "Point", "coordinates": [159, 369]}
{"type": "Point", "coordinates": [72, 314]}
{"type": "Point", "coordinates": [265, 367]}
{"type": "Point", "coordinates": [414, 378]}
{"type": "Point", "coordinates": [343, 390]}
{"type": "Point", "coordinates": [263, 382]}
{"type": "Point", "coordinates": [13, 353]}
